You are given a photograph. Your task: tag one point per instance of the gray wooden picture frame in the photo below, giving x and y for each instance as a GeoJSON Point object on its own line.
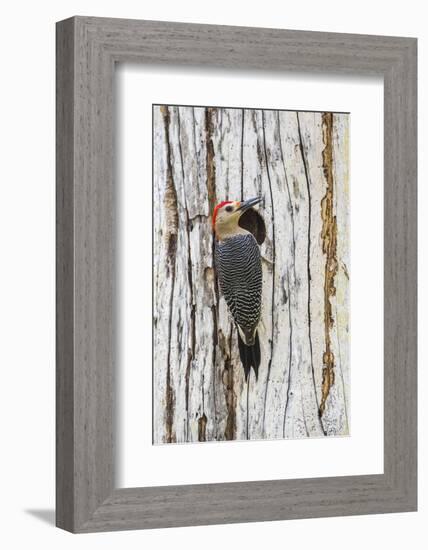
{"type": "Point", "coordinates": [87, 50]}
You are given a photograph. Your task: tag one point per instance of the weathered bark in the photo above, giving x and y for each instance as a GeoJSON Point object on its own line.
{"type": "Point", "coordinates": [299, 162]}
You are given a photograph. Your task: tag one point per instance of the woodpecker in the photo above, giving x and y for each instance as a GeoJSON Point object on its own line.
{"type": "Point", "coordinates": [239, 270]}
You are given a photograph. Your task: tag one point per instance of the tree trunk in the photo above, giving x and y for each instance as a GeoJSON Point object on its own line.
{"type": "Point", "coordinates": [299, 163]}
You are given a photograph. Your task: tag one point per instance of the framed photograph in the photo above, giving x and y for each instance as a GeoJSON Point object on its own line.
{"type": "Point", "coordinates": [236, 274]}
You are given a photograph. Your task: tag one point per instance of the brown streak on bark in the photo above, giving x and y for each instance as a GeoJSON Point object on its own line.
{"type": "Point", "coordinates": [228, 383]}
{"type": "Point", "coordinates": [202, 428]}
{"type": "Point", "coordinates": [171, 209]}
{"type": "Point", "coordinates": [210, 159]}
{"type": "Point", "coordinates": [329, 248]}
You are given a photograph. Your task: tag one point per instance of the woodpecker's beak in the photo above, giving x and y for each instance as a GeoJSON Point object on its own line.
{"type": "Point", "coordinates": [245, 205]}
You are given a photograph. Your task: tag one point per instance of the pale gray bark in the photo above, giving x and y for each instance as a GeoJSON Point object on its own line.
{"type": "Point", "coordinates": [299, 162]}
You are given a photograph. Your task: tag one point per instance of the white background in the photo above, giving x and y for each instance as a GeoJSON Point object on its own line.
{"type": "Point", "coordinates": [27, 274]}
{"type": "Point", "coordinates": [362, 453]}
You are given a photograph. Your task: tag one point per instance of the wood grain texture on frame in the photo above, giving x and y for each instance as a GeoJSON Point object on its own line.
{"type": "Point", "coordinates": [87, 50]}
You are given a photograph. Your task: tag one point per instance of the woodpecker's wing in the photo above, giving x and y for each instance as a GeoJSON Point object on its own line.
{"type": "Point", "coordinates": [239, 271]}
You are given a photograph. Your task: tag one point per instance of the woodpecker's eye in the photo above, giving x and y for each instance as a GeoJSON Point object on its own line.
{"type": "Point", "coordinates": [229, 208]}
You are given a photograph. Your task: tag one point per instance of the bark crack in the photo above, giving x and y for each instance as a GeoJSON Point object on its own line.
{"type": "Point", "coordinates": [242, 153]}
{"type": "Point", "coordinates": [202, 421]}
{"type": "Point", "coordinates": [329, 248]}
{"type": "Point", "coordinates": [212, 201]}
{"type": "Point", "coordinates": [308, 188]}
{"type": "Point", "coordinates": [171, 209]}
{"type": "Point", "coordinates": [210, 157]}
{"type": "Point", "coordinates": [247, 423]}
{"type": "Point", "coordinates": [290, 355]}
{"type": "Point", "coordinates": [273, 268]}
{"type": "Point", "coordinates": [228, 382]}
{"type": "Point", "coordinates": [191, 350]}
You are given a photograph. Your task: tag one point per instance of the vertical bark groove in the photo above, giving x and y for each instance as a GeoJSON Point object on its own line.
{"type": "Point", "coordinates": [308, 187]}
{"type": "Point", "coordinates": [329, 245]}
{"type": "Point", "coordinates": [228, 381]}
{"type": "Point", "coordinates": [172, 229]}
{"type": "Point", "coordinates": [273, 265]}
{"type": "Point", "coordinates": [210, 157]}
{"type": "Point", "coordinates": [290, 356]}
{"type": "Point", "coordinates": [202, 428]}
{"type": "Point", "coordinates": [191, 350]}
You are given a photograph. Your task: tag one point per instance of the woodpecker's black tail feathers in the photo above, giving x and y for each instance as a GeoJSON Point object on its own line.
{"type": "Point", "coordinates": [250, 355]}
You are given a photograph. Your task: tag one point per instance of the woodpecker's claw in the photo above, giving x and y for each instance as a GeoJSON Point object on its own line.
{"type": "Point", "coordinates": [245, 205]}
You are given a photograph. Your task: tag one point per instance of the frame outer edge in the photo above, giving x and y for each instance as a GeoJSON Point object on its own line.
{"type": "Point", "coordinates": [65, 57]}
{"type": "Point", "coordinates": [409, 266]}
{"type": "Point", "coordinates": [94, 276]}
{"type": "Point", "coordinates": [400, 257]}
{"type": "Point", "coordinates": [414, 167]}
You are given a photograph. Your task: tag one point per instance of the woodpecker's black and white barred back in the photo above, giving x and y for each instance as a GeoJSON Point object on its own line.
{"type": "Point", "coordinates": [239, 270]}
